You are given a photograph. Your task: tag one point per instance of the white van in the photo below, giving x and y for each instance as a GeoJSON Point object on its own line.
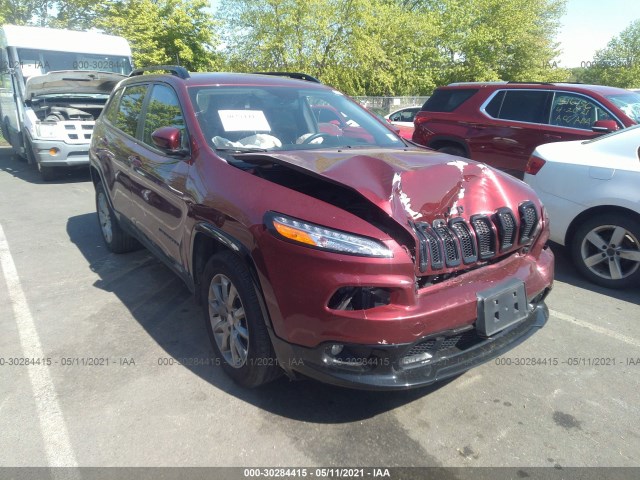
{"type": "Point", "coordinates": [53, 85]}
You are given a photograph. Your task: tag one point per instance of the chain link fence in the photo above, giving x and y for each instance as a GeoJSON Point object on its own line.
{"type": "Point", "coordinates": [386, 105]}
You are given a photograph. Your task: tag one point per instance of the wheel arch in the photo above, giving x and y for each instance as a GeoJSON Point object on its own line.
{"type": "Point", "coordinates": [590, 212]}
{"type": "Point", "coordinates": [445, 141]}
{"type": "Point", "coordinates": [209, 240]}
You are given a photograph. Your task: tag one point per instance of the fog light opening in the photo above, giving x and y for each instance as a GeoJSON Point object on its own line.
{"type": "Point", "coordinates": [53, 151]}
{"type": "Point", "coordinates": [359, 298]}
{"type": "Point", "coordinates": [336, 349]}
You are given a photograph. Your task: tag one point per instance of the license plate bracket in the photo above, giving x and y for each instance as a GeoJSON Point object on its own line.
{"type": "Point", "coordinates": [500, 307]}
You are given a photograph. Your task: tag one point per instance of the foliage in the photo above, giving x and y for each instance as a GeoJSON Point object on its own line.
{"type": "Point", "coordinates": [159, 31]}
{"type": "Point", "coordinates": [387, 47]}
{"type": "Point", "coordinates": [618, 64]}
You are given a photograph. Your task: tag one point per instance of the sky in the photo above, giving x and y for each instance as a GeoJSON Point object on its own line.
{"type": "Point", "coordinates": [588, 25]}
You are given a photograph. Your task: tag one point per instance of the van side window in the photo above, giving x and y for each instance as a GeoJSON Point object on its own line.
{"type": "Point", "coordinates": [130, 108]}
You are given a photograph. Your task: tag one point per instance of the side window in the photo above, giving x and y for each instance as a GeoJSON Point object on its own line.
{"type": "Point", "coordinates": [111, 110]}
{"type": "Point", "coordinates": [494, 106]}
{"type": "Point", "coordinates": [396, 117]}
{"type": "Point", "coordinates": [447, 100]}
{"type": "Point", "coordinates": [525, 106]}
{"type": "Point", "coordinates": [130, 108]}
{"type": "Point", "coordinates": [575, 111]}
{"type": "Point", "coordinates": [163, 110]}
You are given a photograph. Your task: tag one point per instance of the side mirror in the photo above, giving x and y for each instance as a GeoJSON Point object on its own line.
{"type": "Point", "coordinates": [169, 139]}
{"type": "Point", "coordinates": [605, 126]}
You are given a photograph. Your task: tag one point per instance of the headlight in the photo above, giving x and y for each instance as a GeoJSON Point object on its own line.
{"type": "Point", "coordinates": [323, 238]}
{"type": "Point", "coordinates": [47, 130]}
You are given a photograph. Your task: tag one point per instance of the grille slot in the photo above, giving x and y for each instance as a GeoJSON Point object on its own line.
{"type": "Point", "coordinates": [528, 221]}
{"type": "Point", "coordinates": [484, 235]}
{"type": "Point", "coordinates": [451, 253]}
{"type": "Point", "coordinates": [507, 228]}
{"type": "Point", "coordinates": [465, 238]}
{"type": "Point", "coordinates": [432, 244]}
{"type": "Point", "coordinates": [433, 346]}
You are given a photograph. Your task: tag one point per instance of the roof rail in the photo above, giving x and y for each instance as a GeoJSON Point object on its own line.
{"type": "Point", "coordinates": [175, 70]}
{"type": "Point", "coordinates": [296, 75]}
{"type": "Point", "coordinates": [530, 83]}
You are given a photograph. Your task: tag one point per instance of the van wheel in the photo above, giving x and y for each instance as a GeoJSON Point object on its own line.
{"type": "Point", "coordinates": [117, 240]}
{"type": "Point", "coordinates": [235, 323]}
{"type": "Point", "coordinates": [46, 173]}
{"type": "Point", "coordinates": [451, 150]}
{"type": "Point", "coordinates": [606, 250]}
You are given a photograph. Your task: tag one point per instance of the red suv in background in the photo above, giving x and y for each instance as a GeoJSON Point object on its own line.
{"type": "Point", "coordinates": [337, 251]}
{"type": "Point", "coordinates": [502, 123]}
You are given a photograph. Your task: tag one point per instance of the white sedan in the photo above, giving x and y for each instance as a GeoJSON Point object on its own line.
{"type": "Point", "coordinates": [403, 117]}
{"type": "Point", "coordinates": [591, 190]}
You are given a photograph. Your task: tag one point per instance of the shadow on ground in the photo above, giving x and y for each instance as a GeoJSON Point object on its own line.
{"type": "Point", "coordinates": [164, 307]}
{"type": "Point", "coordinates": [19, 168]}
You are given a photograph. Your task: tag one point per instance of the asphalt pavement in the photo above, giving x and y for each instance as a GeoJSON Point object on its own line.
{"type": "Point", "coordinates": [122, 378]}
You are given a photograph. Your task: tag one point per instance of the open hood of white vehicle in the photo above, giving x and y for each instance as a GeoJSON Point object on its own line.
{"type": "Point", "coordinates": [71, 82]}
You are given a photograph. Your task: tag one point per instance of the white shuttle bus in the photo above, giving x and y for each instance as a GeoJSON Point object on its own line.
{"type": "Point", "coordinates": [53, 85]}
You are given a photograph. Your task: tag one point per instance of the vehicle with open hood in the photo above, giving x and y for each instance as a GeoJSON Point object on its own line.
{"type": "Point", "coordinates": [323, 248]}
{"type": "Point", "coordinates": [54, 84]}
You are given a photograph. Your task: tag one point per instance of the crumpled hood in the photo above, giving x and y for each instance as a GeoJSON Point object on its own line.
{"type": "Point", "coordinates": [417, 184]}
{"type": "Point", "coordinates": [72, 81]}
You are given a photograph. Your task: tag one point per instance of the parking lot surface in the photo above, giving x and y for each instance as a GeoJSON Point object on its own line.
{"type": "Point", "coordinates": [118, 374]}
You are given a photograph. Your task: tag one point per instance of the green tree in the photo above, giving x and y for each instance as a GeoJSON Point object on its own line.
{"type": "Point", "coordinates": [618, 64]}
{"type": "Point", "coordinates": [485, 40]}
{"type": "Point", "coordinates": [360, 46]}
{"type": "Point", "coordinates": [24, 12]}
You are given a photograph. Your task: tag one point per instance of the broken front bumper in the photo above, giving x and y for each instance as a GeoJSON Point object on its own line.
{"type": "Point", "coordinates": [396, 367]}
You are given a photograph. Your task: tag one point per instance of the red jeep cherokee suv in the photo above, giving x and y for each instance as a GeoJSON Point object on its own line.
{"type": "Point", "coordinates": [343, 254]}
{"type": "Point", "coordinates": [502, 123]}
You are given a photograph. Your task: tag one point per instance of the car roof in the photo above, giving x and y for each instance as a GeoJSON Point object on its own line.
{"type": "Point", "coordinates": [227, 79]}
{"type": "Point", "coordinates": [578, 87]}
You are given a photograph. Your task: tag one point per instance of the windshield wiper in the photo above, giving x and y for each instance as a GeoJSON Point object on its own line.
{"type": "Point", "coordinates": [241, 149]}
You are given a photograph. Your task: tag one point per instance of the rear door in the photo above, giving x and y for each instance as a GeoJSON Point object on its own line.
{"type": "Point", "coordinates": [519, 123]}
{"type": "Point", "coordinates": [115, 145]}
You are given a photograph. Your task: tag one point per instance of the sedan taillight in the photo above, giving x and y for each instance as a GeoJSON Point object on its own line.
{"type": "Point", "coordinates": [534, 165]}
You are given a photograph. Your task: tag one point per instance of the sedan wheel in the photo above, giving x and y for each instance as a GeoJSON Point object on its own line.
{"type": "Point", "coordinates": [606, 249]}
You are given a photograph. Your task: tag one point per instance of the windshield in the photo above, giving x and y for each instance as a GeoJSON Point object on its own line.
{"type": "Point", "coordinates": [629, 103]}
{"type": "Point", "coordinates": [38, 62]}
{"type": "Point", "coordinates": [283, 118]}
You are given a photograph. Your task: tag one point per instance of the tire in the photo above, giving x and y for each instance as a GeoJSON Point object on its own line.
{"type": "Point", "coordinates": [606, 250]}
{"type": "Point", "coordinates": [451, 150]}
{"type": "Point", "coordinates": [116, 239]}
{"type": "Point", "coordinates": [235, 324]}
{"type": "Point", "coordinates": [46, 173]}
{"type": "Point", "coordinates": [29, 155]}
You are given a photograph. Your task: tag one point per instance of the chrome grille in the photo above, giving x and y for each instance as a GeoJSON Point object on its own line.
{"type": "Point", "coordinates": [458, 241]}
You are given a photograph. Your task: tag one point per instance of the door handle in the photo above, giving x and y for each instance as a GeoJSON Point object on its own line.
{"type": "Point", "coordinates": [555, 137]}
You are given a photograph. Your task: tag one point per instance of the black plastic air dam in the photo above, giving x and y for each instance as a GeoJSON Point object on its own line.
{"type": "Point", "coordinates": [387, 372]}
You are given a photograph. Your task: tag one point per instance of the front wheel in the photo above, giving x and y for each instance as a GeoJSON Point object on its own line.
{"type": "Point", "coordinates": [606, 250]}
{"type": "Point", "coordinates": [235, 323]}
